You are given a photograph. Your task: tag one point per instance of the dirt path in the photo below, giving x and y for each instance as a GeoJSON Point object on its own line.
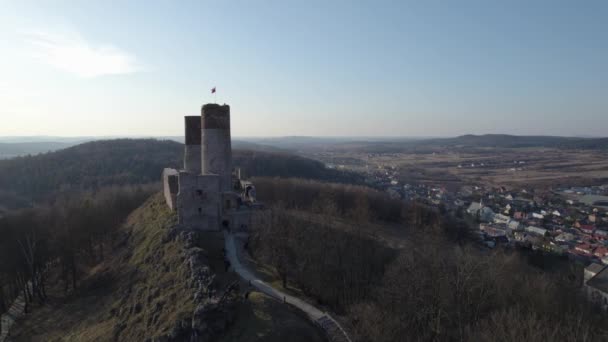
{"type": "Point", "coordinates": [333, 330]}
{"type": "Point", "coordinates": [8, 319]}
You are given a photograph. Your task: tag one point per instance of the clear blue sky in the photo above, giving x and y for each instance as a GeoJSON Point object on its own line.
{"type": "Point", "coordinates": [323, 68]}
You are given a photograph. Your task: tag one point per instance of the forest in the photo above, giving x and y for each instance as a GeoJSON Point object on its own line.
{"type": "Point", "coordinates": [436, 287]}
{"type": "Point", "coordinates": [66, 236]}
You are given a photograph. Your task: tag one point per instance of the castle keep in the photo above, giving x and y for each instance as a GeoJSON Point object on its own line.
{"type": "Point", "coordinates": [206, 194]}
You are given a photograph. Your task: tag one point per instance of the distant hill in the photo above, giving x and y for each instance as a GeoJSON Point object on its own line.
{"type": "Point", "coordinates": [96, 164]}
{"type": "Point", "coordinates": [10, 150]}
{"type": "Point", "coordinates": [423, 145]}
{"type": "Point", "coordinates": [11, 147]}
{"type": "Point", "coordinates": [466, 141]}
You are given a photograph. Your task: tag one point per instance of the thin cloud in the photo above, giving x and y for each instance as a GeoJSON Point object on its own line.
{"type": "Point", "coordinates": [73, 54]}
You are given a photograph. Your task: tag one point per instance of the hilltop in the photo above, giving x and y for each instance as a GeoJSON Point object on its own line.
{"type": "Point", "coordinates": [162, 284]}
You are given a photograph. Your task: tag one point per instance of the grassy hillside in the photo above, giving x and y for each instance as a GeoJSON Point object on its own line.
{"type": "Point", "coordinates": [119, 297]}
{"type": "Point", "coordinates": [96, 164]}
{"type": "Point", "coordinates": [148, 289]}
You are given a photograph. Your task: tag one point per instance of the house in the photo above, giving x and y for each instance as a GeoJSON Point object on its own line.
{"type": "Point", "coordinates": [600, 234]}
{"type": "Point", "coordinates": [513, 225]}
{"type": "Point", "coordinates": [556, 213]}
{"type": "Point", "coordinates": [587, 228]}
{"type": "Point", "coordinates": [518, 215]}
{"type": "Point", "coordinates": [474, 208]}
{"type": "Point", "coordinates": [526, 238]}
{"type": "Point", "coordinates": [486, 214]}
{"type": "Point", "coordinates": [536, 230]}
{"type": "Point", "coordinates": [595, 284]}
{"type": "Point", "coordinates": [584, 248]}
{"type": "Point", "coordinates": [554, 248]}
{"type": "Point", "coordinates": [500, 218]}
{"type": "Point", "coordinates": [494, 231]}
{"type": "Point", "coordinates": [600, 252]}
{"type": "Point", "coordinates": [564, 237]}
{"type": "Point", "coordinates": [538, 216]}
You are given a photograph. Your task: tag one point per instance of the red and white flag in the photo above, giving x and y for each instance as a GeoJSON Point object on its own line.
{"type": "Point", "coordinates": [213, 90]}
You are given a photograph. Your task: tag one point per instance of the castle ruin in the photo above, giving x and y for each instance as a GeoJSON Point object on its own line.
{"type": "Point", "coordinates": [206, 193]}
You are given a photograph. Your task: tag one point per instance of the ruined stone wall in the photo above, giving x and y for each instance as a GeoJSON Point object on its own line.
{"type": "Point", "coordinates": [170, 187]}
{"type": "Point", "coordinates": [198, 201]}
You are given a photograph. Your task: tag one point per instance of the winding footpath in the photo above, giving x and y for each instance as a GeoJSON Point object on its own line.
{"type": "Point", "coordinates": [8, 319]}
{"type": "Point", "coordinates": [331, 327]}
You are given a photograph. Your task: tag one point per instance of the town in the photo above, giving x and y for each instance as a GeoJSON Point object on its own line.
{"type": "Point", "coordinates": [570, 221]}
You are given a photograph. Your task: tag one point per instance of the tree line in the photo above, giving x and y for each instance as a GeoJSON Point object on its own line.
{"type": "Point", "coordinates": [64, 235]}
{"type": "Point", "coordinates": [344, 199]}
{"type": "Point", "coordinates": [323, 236]}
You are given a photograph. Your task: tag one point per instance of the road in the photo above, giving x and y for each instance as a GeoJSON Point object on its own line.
{"type": "Point", "coordinates": [318, 317]}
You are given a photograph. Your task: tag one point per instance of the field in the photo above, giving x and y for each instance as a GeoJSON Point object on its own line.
{"type": "Point", "coordinates": [453, 167]}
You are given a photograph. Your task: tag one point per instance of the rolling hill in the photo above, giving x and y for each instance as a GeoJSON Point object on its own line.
{"type": "Point", "coordinates": [10, 150]}
{"type": "Point", "coordinates": [96, 164]}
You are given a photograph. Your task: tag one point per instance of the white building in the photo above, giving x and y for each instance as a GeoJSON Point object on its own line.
{"type": "Point", "coordinates": [474, 208]}
{"type": "Point", "coordinates": [500, 218]}
{"type": "Point", "coordinates": [595, 284]}
{"type": "Point", "coordinates": [538, 216]}
{"type": "Point", "coordinates": [536, 230]}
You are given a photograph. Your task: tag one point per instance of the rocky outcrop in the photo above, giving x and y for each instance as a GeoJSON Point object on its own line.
{"type": "Point", "coordinates": [215, 307]}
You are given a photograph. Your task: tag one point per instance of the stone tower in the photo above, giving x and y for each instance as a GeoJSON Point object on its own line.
{"type": "Point", "coordinates": [192, 146]}
{"type": "Point", "coordinates": [205, 193]}
{"type": "Point", "coordinates": [216, 148]}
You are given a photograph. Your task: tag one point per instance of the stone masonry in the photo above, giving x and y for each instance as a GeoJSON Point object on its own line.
{"type": "Point", "coordinates": [206, 193]}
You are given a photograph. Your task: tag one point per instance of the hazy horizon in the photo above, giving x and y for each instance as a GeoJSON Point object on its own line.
{"type": "Point", "coordinates": [80, 139]}
{"type": "Point", "coordinates": [339, 69]}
